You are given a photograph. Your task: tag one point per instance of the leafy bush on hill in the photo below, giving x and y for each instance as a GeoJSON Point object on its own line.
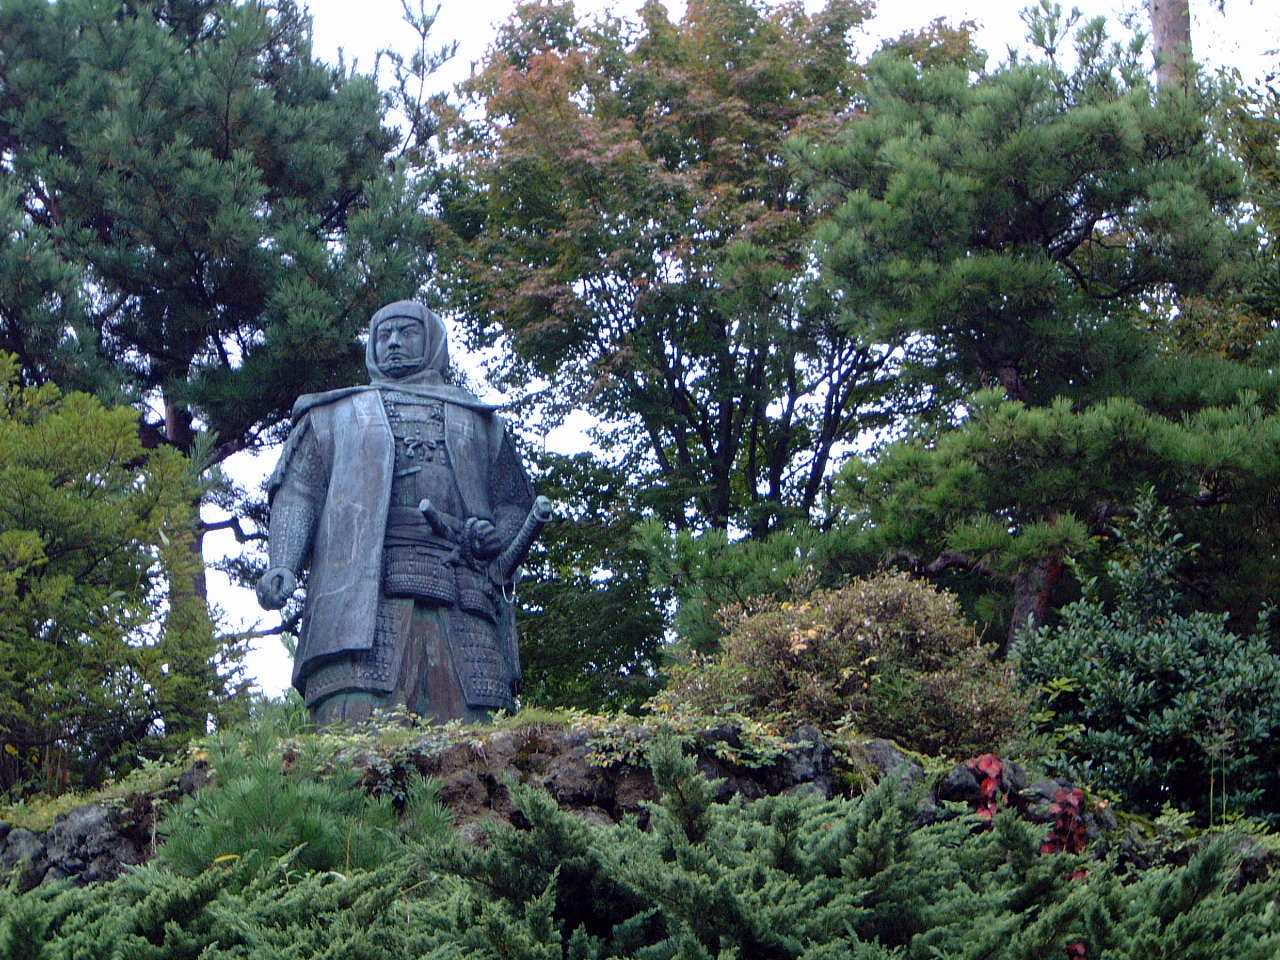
{"type": "Point", "coordinates": [890, 655]}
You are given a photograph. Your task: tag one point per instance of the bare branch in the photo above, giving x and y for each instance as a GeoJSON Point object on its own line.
{"type": "Point", "coordinates": [287, 625]}
{"type": "Point", "coordinates": [944, 563]}
{"type": "Point", "coordinates": [232, 524]}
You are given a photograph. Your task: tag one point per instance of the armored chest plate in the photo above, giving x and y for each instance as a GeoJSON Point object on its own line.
{"type": "Point", "coordinates": [417, 423]}
{"type": "Point", "coordinates": [422, 468]}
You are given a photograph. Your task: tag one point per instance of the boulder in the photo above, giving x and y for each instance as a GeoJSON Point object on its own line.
{"type": "Point", "coordinates": [91, 843]}
{"type": "Point", "coordinates": [960, 785]}
{"type": "Point", "coordinates": [885, 756]}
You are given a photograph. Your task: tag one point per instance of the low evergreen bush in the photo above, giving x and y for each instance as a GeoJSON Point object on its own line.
{"type": "Point", "coordinates": [890, 655]}
{"type": "Point", "coordinates": [1161, 705]}
{"type": "Point", "coordinates": [782, 878]}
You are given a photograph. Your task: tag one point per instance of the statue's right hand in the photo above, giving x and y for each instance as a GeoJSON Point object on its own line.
{"type": "Point", "coordinates": [275, 587]}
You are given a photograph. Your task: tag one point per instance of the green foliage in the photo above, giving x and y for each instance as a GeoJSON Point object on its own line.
{"type": "Point", "coordinates": [270, 910]}
{"type": "Point", "coordinates": [220, 207]}
{"type": "Point", "coordinates": [1005, 496]}
{"type": "Point", "coordinates": [788, 877]}
{"type": "Point", "coordinates": [889, 655]}
{"type": "Point", "coordinates": [709, 571]}
{"type": "Point", "coordinates": [591, 625]}
{"type": "Point", "coordinates": [268, 803]}
{"type": "Point", "coordinates": [38, 812]}
{"type": "Point", "coordinates": [780, 878]}
{"type": "Point", "coordinates": [937, 43]}
{"type": "Point", "coordinates": [623, 214]}
{"type": "Point", "coordinates": [686, 796]}
{"type": "Point", "coordinates": [1038, 234]}
{"type": "Point", "coordinates": [93, 535]}
{"type": "Point", "coordinates": [622, 218]}
{"type": "Point", "coordinates": [197, 218]}
{"type": "Point", "coordinates": [547, 876]}
{"type": "Point", "coordinates": [1165, 706]}
{"type": "Point", "coordinates": [1245, 326]}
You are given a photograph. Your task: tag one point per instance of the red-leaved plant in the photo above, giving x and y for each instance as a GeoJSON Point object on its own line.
{"type": "Point", "coordinates": [988, 769]}
{"type": "Point", "coordinates": [1068, 834]}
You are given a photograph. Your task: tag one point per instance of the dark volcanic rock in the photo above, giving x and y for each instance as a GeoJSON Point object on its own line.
{"type": "Point", "coordinates": [21, 846]}
{"type": "Point", "coordinates": [24, 855]}
{"type": "Point", "coordinates": [1013, 776]}
{"type": "Point", "coordinates": [960, 786]}
{"type": "Point", "coordinates": [1038, 798]}
{"type": "Point", "coordinates": [808, 760]}
{"type": "Point", "coordinates": [885, 756]}
{"type": "Point", "coordinates": [573, 782]}
{"type": "Point", "coordinates": [89, 844]}
{"type": "Point", "coordinates": [194, 779]}
{"type": "Point", "coordinates": [632, 790]}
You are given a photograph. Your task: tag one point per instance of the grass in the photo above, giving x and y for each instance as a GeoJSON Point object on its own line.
{"type": "Point", "coordinates": [39, 812]}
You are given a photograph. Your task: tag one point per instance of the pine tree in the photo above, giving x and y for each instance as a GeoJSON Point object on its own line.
{"type": "Point", "coordinates": [198, 214]}
{"type": "Point", "coordinates": [1001, 228]}
{"type": "Point", "coordinates": [1032, 230]}
{"type": "Point", "coordinates": [1171, 33]}
{"type": "Point", "coordinates": [997, 504]}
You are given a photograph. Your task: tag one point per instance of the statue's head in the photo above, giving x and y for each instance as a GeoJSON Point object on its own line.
{"type": "Point", "coordinates": [407, 342]}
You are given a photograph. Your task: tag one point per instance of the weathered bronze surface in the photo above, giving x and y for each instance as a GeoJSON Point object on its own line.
{"type": "Point", "coordinates": [409, 504]}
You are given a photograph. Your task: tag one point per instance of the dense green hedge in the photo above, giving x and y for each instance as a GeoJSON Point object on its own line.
{"type": "Point", "coordinates": [782, 877]}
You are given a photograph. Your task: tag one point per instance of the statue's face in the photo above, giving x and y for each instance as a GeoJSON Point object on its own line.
{"type": "Point", "coordinates": [400, 346]}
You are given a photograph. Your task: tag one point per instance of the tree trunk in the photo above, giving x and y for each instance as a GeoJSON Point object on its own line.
{"type": "Point", "coordinates": [199, 582]}
{"type": "Point", "coordinates": [1171, 37]}
{"type": "Point", "coordinates": [188, 626]}
{"type": "Point", "coordinates": [178, 431]}
{"type": "Point", "coordinates": [1032, 596]}
{"type": "Point", "coordinates": [1008, 374]}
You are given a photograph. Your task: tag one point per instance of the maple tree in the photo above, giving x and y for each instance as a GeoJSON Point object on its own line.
{"type": "Point", "coordinates": [624, 218]}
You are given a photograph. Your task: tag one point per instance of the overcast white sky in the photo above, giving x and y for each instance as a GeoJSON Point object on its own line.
{"type": "Point", "coordinates": [1242, 34]}
{"type": "Point", "coordinates": [1246, 34]}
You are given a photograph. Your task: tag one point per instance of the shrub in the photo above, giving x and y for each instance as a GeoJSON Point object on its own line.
{"type": "Point", "coordinates": [891, 655]}
{"type": "Point", "coordinates": [265, 804]}
{"type": "Point", "coordinates": [783, 878]}
{"type": "Point", "coordinates": [1160, 705]}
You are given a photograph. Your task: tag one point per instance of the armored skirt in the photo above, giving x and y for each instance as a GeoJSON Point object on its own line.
{"type": "Point", "coordinates": [413, 652]}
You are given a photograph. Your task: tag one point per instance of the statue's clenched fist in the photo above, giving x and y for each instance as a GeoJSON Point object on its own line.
{"type": "Point", "coordinates": [485, 541]}
{"type": "Point", "coordinates": [275, 587]}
